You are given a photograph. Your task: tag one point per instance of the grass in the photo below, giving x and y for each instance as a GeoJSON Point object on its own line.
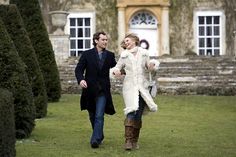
{"type": "Point", "coordinates": [184, 126]}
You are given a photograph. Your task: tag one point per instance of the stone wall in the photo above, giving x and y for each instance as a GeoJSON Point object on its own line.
{"type": "Point", "coordinates": [181, 23]}
{"type": "Point", "coordinates": [4, 1]}
{"type": "Point", "coordinates": [230, 11]}
{"type": "Point", "coordinates": [197, 75]}
{"type": "Point", "coordinates": [106, 15]}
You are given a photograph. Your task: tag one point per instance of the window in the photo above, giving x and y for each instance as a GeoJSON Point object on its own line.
{"type": "Point", "coordinates": [81, 31]}
{"type": "Point", "coordinates": [143, 20]}
{"type": "Point", "coordinates": [209, 34]}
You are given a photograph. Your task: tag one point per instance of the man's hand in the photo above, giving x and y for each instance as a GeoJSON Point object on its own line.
{"type": "Point", "coordinates": [83, 84]}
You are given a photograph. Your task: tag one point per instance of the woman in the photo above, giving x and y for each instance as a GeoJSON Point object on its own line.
{"type": "Point", "coordinates": [136, 64]}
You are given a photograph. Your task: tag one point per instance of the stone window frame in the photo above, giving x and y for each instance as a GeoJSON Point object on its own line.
{"type": "Point", "coordinates": [77, 49]}
{"type": "Point", "coordinates": [207, 37]}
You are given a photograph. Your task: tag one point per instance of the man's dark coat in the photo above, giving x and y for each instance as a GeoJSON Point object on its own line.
{"type": "Point", "coordinates": [97, 79]}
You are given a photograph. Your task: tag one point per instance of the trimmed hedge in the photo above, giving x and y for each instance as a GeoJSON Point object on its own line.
{"type": "Point", "coordinates": [7, 124]}
{"type": "Point", "coordinates": [14, 78]}
{"type": "Point", "coordinates": [34, 24]}
{"type": "Point", "coordinates": [15, 27]}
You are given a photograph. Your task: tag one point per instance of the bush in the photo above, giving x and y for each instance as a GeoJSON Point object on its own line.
{"type": "Point", "coordinates": [216, 91]}
{"type": "Point", "coordinates": [32, 17]}
{"type": "Point", "coordinates": [15, 27]}
{"type": "Point", "coordinates": [14, 78]}
{"type": "Point", "coordinates": [190, 53]}
{"type": "Point", "coordinates": [7, 124]}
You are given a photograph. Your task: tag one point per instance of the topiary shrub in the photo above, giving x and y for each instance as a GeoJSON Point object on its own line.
{"type": "Point", "coordinates": [7, 124]}
{"type": "Point", "coordinates": [15, 27]}
{"type": "Point", "coordinates": [34, 24]}
{"type": "Point", "coordinates": [165, 55]}
{"type": "Point", "coordinates": [14, 78]}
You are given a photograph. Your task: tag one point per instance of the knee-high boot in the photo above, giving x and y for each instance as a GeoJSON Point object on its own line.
{"type": "Point", "coordinates": [129, 130]}
{"type": "Point", "coordinates": [136, 131]}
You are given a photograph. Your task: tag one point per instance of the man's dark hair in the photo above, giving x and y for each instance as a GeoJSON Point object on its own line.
{"type": "Point", "coordinates": [96, 36]}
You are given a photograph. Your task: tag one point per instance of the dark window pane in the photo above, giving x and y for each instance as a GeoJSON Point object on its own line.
{"type": "Point", "coordinates": [201, 20]}
{"type": "Point", "coordinates": [87, 32]}
{"type": "Point", "coordinates": [209, 31]}
{"type": "Point", "coordinates": [72, 32]}
{"type": "Point", "coordinates": [80, 44]}
{"type": "Point", "coordinates": [216, 20]}
{"type": "Point", "coordinates": [201, 42]}
{"type": "Point", "coordinates": [216, 52]}
{"type": "Point", "coordinates": [87, 21]}
{"type": "Point", "coordinates": [201, 31]}
{"type": "Point", "coordinates": [72, 21]}
{"type": "Point", "coordinates": [216, 30]}
{"type": "Point", "coordinates": [209, 52]}
{"type": "Point", "coordinates": [87, 44]}
{"type": "Point", "coordinates": [80, 22]}
{"type": "Point", "coordinates": [209, 19]}
{"type": "Point", "coordinates": [216, 42]}
{"type": "Point", "coordinates": [80, 52]}
{"type": "Point", "coordinates": [72, 53]}
{"type": "Point", "coordinates": [80, 32]}
{"type": "Point", "coordinates": [72, 44]}
{"type": "Point", "coordinates": [209, 42]}
{"type": "Point", "coordinates": [201, 52]}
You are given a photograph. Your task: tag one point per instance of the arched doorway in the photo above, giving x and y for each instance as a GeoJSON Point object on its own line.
{"type": "Point", "coordinates": [144, 24]}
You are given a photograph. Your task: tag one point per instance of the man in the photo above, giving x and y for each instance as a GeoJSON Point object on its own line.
{"type": "Point", "coordinates": [92, 73]}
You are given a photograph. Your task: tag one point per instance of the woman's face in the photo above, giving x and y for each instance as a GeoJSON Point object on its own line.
{"type": "Point", "coordinates": [129, 43]}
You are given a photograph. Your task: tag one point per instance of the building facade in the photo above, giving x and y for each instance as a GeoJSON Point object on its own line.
{"type": "Point", "coordinates": [165, 27]}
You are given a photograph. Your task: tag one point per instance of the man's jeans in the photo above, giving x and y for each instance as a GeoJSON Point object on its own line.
{"type": "Point", "coordinates": [97, 120]}
{"type": "Point", "coordinates": [137, 115]}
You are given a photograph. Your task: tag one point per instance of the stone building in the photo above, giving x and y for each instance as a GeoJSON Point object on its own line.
{"type": "Point", "coordinates": [171, 28]}
{"type": "Point", "coordinates": [175, 27]}
{"type": "Point", "coordinates": [166, 27]}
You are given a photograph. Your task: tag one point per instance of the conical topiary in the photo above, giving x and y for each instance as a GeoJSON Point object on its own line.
{"type": "Point", "coordinates": [7, 124]}
{"type": "Point", "coordinates": [34, 24]}
{"type": "Point", "coordinates": [15, 27]}
{"type": "Point", "coordinates": [14, 78]}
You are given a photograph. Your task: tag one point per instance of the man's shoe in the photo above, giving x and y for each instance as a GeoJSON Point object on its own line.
{"type": "Point", "coordinates": [94, 145]}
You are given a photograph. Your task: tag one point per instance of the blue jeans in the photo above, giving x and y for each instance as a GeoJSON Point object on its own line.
{"type": "Point", "coordinates": [137, 115]}
{"type": "Point", "coordinates": [97, 120]}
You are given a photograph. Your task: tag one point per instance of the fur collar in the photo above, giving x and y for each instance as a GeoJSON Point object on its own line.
{"type": "Point", "coordinates": [136, 49]}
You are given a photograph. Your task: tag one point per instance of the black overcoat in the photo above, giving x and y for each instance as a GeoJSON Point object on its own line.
{"type": "Point", "coordinates": [97, 78]}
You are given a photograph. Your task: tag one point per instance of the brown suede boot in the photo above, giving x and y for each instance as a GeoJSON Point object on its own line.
{"type": "Point", "coordinates": [137, 127]}
{"type": "Point", "coordinates": [129, 129]}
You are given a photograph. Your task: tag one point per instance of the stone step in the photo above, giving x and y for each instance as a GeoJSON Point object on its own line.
{"type": "Point", "coordinates": [176, 75]}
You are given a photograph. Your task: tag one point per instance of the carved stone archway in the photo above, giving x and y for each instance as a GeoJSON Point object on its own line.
{"type": "Point", "coordinates": [159, 8]}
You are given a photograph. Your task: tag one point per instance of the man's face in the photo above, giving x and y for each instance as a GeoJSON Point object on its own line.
{"type": "Point", "coordinates": [101, 42]}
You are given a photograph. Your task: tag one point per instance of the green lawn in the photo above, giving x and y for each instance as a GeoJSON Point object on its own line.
{"type": "Point", "coordinates": [184, 126]}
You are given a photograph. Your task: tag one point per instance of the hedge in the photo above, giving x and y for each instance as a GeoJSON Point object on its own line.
{"type": "Point", "coordinates": [15, 27]}
{"type": "Point", "coordinates": [7, 124]}
{"type": "Point", "coordinates": [14, 78]}
{"type": "Point", "coordinates": [34, 24]}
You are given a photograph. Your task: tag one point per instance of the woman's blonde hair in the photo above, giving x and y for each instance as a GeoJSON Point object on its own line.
{"type": "Point", "coordinates": [122, 44]}
{"type": "Point", "coordinates": [134, 37]}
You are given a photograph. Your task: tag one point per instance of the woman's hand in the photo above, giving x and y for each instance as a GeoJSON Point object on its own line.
{"type": "Point", "coordinates": [117, 73]}
{"type": "Point", "coordinates": [150, 66]}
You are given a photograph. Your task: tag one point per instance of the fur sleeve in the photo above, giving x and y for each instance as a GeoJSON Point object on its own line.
{"type": "Point", "coordinates": [120, 64]}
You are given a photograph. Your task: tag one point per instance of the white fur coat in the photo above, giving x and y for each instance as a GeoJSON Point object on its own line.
{"type": "Point", "coordinates": [136, 78]}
